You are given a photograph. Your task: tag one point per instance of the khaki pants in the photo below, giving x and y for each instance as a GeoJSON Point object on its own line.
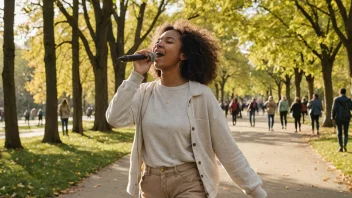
{"type": "Point", "coordinates": [181, 181]}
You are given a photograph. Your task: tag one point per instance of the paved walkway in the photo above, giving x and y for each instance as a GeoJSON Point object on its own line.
{"type": "Point", "coordinates": [289, 167]}
{"type": "Point", "coordinates": [35, 131]}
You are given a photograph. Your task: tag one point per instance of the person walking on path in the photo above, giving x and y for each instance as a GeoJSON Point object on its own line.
{"type": "Point", "coordinates": [252, 107]}
{"type": "Point", "coordinates": [283, 109]}
{"type": "Point", "coordinates": [64, 113]}
{"type": "Point", "coordinates": [180, 128]}
{"type": "Point", "coordinates": [26, 114]}
{"type": "Point", "coordinates": [234, 107]}
{"type": "Point", "coordinates": [33, 113]}
{"type": "Point", "coordinates": [341, 113]}
{"type": "Point", "coordinates": [270, 106]}
{"type": "Point", "coordinates": [40, 117]}
{"type": "Point", "coordinates": [315, 107]}
{"type": "Point", "coordinates": [304, 109]}
{"type": "Point", "coordinates": [295, 110]}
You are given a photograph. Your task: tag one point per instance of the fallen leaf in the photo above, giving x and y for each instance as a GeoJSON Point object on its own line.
{"type": "Point", "coordinates": [287, 187]}
{"type": "Point", "coordinates": [326, 179]}
{"type": "Point", "coordinates": [20, 185]}
{"type": "Point", "coordinates": [98, 185]}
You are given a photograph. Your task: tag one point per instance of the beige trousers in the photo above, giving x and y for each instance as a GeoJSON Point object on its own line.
{"type": "Point", "coordinates": [181, 181]}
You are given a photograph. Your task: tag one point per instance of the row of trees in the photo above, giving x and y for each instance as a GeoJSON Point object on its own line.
{"type": "Point", "coordinates": [285, 42]}
{"type": "Point", "coordinates": [85, 37]}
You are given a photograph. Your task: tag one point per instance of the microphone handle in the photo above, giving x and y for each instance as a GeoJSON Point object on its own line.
{"type": "Point", "coordinates": [134, 57]}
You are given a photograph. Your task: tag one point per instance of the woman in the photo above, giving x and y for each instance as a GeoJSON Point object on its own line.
{"type": "Point", "coordinates": [180, 128]}
{"type": "Point", "coordinates": [296, 113]}
{"type": "Point", "coordinates": [315, 107]}
{"type": "Point", "coordinates": [283, 109]}
{"type": "Point", "coordinates": [64, 113]}
{"type": "Point", "coordinates": [270, 106]}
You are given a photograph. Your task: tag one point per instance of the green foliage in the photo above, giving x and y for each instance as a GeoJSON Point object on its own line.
{"type": "Point", "coordinates": [43, 170]}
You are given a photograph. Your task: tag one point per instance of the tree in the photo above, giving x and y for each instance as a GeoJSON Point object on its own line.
{"type": "Point", "coordinates": [344, 31]}
{"type": "Point", "coordinates": [51, 134]}
{"type": "Point", "coordinates": [12, 137]}
{"type": "Point", "coordinates": [102, 14]}
{"type": "Point", "coordinates": [76, 82]}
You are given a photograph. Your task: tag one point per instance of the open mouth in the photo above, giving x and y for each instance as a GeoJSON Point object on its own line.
{"type": "Point", "coordinates": [158, 54]}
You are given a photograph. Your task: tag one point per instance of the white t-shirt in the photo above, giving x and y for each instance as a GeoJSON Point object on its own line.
{"type": "Point", "coordinates": [166, 128]}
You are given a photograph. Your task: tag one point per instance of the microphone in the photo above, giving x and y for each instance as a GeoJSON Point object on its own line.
{"type": "Point", "coordinates": [136, 57]}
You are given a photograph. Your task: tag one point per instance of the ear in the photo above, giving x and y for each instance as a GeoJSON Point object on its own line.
{"type": "Point", "coordinates": [183, 57]}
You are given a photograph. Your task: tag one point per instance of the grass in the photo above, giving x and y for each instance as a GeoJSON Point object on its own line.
{"type": "Point", "coordinates": [327, 147]}
{"type": "Point", "coordinates": [44, 170]}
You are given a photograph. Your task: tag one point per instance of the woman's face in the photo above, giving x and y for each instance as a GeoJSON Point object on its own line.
{"type": "Point", "coordinates": [168, 50]}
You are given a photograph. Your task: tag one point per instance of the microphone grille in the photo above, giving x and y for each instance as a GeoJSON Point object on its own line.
{"type": "Point", "coordinates": [151, 56]}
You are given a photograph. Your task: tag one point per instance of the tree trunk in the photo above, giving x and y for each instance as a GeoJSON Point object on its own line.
{"type": "Point", "coordinates": [270, 90]}
{"type": "Point", "coordinates": [101, 98]}
{"type": "Point", "coordinates": [76, 82]}
{"type": "Point", "coordinates": [12, 137]}
{"type": "Point", "coordinates": [279, 87]}
{"type": "Point", "coordinates": [298, 79]}
{"type": "Point", "coordinates": [288, 88]}
{"type": "Point", "coordinates": [51, 134]}
{"type": "Point", "coordinates": [327, 65]}
{"type": "Point", "coordinates": [310, 81]}
{"type": "Point", "coordinates": [217, 90]}
{"type": "Point", "coordinates": [349, 56]}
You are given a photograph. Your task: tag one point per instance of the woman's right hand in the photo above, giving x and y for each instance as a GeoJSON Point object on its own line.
{"type": "Point", "coordinates": [142, 66]}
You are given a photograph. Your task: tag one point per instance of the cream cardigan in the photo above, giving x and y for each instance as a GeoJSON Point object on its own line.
{"type": "Point", "coordinates": [210, 136]}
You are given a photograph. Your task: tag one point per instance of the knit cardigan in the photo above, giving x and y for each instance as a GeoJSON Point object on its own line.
{"type": "Point", "coordinates": [210, 136]}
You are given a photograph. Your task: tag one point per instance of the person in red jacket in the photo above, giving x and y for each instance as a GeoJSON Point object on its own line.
{"type": "Point", "coordinates": [234, 108]}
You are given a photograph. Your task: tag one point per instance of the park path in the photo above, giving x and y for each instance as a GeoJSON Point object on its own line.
{"type": "Point", "coordinates": [289, 167]}
{"type": "Point", "coordinates": [35, 131]}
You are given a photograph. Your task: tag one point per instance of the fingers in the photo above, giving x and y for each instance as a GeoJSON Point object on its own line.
{"type": "Point", "coordinates": [145, 53]}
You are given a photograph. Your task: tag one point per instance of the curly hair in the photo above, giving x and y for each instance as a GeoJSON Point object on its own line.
{"type": "Point", "coordinates": [200, 49]}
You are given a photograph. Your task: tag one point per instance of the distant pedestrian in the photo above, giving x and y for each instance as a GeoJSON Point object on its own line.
{"type": "Point", "coordinates": [234, 108]}
{"type": "Point", "coordinates": [64, 112]}
{"type": "Point", "coordinates": [26, 116]}
{"type": "Point", "coordinates": [283, 109]}
{"type": "Point", "coordinates": [33, 113]}
{"type": "Point", "coordinates": [226, 108]}
{"type": "Point", "coordinates": [295, 110]}
{"type": "Point", "coordinates": [40, 117]}
{"type": "Point", "coordinates": [315, 109]}
{"type": "Point", "coordinates": [89, 112]}
{"type": "Point", "coordinates": [252, 107]}
{"type": "Point", "coordinates": [341, 113]}
{"type": "Point", "coordinates": [270, 106]}
{"type": "Point", "coordinates": [304, 109]}
{"type": "Point", "coordinates": [1, 115]}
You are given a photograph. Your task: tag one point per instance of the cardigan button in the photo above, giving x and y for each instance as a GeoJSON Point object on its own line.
{"type": "Point", "coordinates": [194, 144]}
{"type": "Point", "coordinates": [199, 162]}
{"type": "Point", "coordinates": [201, 176]}
{"type": "Point", "coordinates": [193, 128]}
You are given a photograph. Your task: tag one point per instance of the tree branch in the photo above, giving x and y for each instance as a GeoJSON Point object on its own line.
{"type": "Point", "coordinates": [309, 18]}
{"type": "Point", "coordinates": [86, 18]}
{"type": "Point", "coordinates": [81, 35]}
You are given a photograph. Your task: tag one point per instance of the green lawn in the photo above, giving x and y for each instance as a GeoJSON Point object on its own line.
{"type": "Point", "coordinates": [327, 147]}
{"type": "Point", "coordinates": [43, 170]}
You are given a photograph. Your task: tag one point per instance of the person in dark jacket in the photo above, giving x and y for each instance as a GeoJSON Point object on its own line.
{"type": "Point", "coordinates": [295, 109]}
{"type": "Point", "coordinates": [252, 107]}
{"type": "Point", "coordinates": [315, 107]}
{"type": "Point", "coordinates": [342, 116]}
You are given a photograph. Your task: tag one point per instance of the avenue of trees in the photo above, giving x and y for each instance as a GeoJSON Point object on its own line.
{"type": "Point", "coordinates": [70, 48]}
